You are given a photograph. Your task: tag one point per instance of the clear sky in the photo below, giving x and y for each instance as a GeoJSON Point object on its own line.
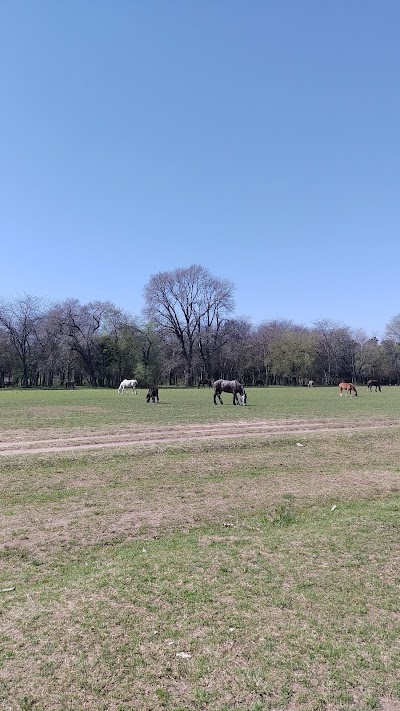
{"type": "Point", "coordinates": [259, 139]}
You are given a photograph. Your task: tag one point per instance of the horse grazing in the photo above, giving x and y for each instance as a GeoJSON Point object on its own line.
{"type": "Point", "coordinates": [230, 386]}
{"type": "Point", "coordinates": [204, 383]}
{"type": "Point", "coordinates": [374, 383]}
{"type": "Point", "coordinates": [128, 384]}
{"type": "Point", "coordinates": [70, 384]}
{"type": "Point", "coordinates": [152, 394]}
{"type": "Point", "coordinates": [349, 388]}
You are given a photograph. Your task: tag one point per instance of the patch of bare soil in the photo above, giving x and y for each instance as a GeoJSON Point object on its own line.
{"type": "Point", "coordinates": [147, 502]}
{"type": "Point", "coordinates": [12, 444]}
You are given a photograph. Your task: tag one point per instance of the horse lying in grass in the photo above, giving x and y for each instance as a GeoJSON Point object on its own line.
{"type": "Point", "coordinates": [128, 384]}
{"type": "Point", "coordinates": [348, 388]}
{"type": "Point", "coordinates": [230, 386]}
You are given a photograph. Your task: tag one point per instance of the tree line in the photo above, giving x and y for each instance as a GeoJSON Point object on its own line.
{"type": "Point", "coordinates": [187, 332]}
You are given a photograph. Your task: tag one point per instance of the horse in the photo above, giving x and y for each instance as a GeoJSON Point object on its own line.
{"type": "Point", "coordinates": [374, 383]}
{"type": "Point", "coordinates": [349, 388]}
{"type": "Point", "coordinates": [70, 384]}
{"type": "Point", "coordinates": [204, 383]}
{"type": "Point", "coordinates": [128, 384]}
{"type": "Point", "coordinates": [310, 383]}
{"type": "Point", "coordinates": [152, 394]}
{"type": "Point", "coordinates": [230, 386]}
{"type": "Point", "coordinates": [259, 383]}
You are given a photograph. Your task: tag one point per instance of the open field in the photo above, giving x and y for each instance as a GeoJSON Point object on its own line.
{"type": "Point", "coordinates": [200, 530]}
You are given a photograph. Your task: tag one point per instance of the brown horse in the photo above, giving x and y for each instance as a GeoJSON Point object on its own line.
{"type": "Point", "coordinates": [349, 388]}
{"type": "Point", "coordinates": [374, 384]}
{"type": "Point", "coordinates": [204, 383]}
{"type": "Point", "coordinates": [152, 394]}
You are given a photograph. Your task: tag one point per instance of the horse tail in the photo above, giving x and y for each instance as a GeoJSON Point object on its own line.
{"type": "Point", "coordinates": [355, 391]}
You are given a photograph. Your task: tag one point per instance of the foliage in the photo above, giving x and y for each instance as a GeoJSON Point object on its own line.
{"type": "Point", "coordinates": [189, 334]}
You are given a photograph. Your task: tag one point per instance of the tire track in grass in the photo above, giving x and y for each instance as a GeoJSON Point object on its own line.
{"type": "Point", "coordinates": [189, 433]}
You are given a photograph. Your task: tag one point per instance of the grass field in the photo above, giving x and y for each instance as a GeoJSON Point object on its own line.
{"type": "Point", "coordinates": [86, 408]}
{"type": "Point", "coordinates": [242, 574]}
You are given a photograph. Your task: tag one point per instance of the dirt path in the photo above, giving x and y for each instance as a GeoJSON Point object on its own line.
{"type": "Point", "coordinates": [26, 443]}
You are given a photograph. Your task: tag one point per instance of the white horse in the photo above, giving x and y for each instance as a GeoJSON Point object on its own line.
{"type": "Point", "coordinates": [128, 384]}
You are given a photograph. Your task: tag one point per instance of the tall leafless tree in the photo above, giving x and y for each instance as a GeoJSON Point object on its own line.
{"type": "Point", "coordinates": [19, 319]}
{"type": "Point", "coordinates": [190, 304]}
{"type": "Point", "coordinates": [82, 325]}
{"type": "Point", "coordinates": [392, 331]}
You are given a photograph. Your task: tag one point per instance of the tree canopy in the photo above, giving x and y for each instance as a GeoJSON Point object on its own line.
{"type": "Point", "coordinates": [187, 331]}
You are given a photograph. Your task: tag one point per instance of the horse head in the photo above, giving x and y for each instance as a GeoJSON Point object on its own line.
{"type": "Point", "coordinates": [241, 393]}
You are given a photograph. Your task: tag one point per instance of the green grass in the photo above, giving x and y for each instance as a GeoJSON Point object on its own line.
{"type": "Point", "coordinates": [275, 567]}
{"type": "Point", "coordinates": [88, 408]}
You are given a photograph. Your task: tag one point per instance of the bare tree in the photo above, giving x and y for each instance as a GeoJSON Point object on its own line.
{"type": "Point", "coordinates": [19, 319]}
{"type": "Point", "coordinates": [82, 325]}
{"type": "Point", "coordinates": [392, 331]}
{"type": "Point", "coordinates": [189, 304]}
{"type": "Point", "coordinates": [236, 351]}
{"type": "Point", "coordinates": [335, 351]}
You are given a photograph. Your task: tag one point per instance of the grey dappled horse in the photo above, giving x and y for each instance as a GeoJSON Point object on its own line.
{"type": "Point", "coordinates": [230, 386]}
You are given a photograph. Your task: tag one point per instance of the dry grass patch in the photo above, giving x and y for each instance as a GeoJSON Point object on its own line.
{"type": "Point", "coordinates": [229, 552]}
{"type": "Point", "coordinates": [55, 501]}
{"type": "Point", "coordinates": [273, 615]}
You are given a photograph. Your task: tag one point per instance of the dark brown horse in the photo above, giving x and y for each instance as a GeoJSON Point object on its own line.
{"type": "Point", "coordinates": [349, 389]}
{"type": "Point", "coordinates": [152, 394]}
{"type": "Point", "coordinates": [374, 383]}
{"type": "Point", "coordinates": [204, 383]}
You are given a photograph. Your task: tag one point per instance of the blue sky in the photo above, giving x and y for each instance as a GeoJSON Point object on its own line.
{"type": "Point", "coordinates": [259, 139]}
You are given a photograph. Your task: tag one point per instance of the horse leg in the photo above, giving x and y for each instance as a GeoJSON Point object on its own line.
{"type": "Point", "coordinates": [217, 395]}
